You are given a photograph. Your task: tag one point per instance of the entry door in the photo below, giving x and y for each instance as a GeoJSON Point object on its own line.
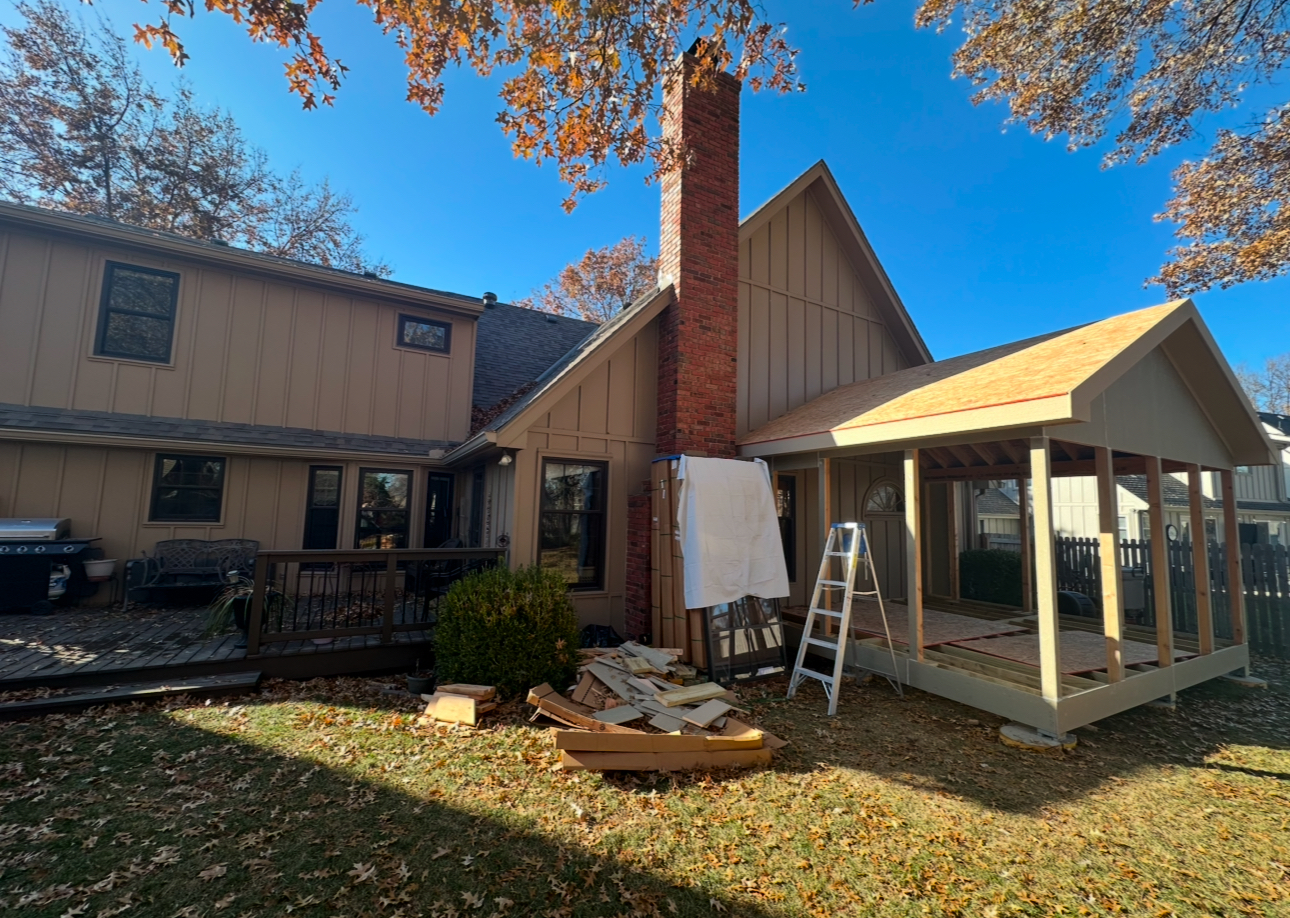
{"type": "Point", "coordinates": [438, 510]}
{"type": "Point", "coordinates": [884, 518]}
{"type": "Point", "coordinates": [322, 513]}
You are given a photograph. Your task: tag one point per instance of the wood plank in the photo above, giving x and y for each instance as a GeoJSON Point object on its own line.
{"type": "Point", "coordinates": [668, 723]}
{"type": "Point", "coordinates": [209, 686]}
{"type": "Point", "coordinates": [657, 658]}
{"type": "Point", "coordinates": [615, 679]}
{"type": "Point", "coordinates": [691, 694]}
{"type": "Point", "coordinates": [1235, 575]}
{"type": "Point", "coordinates": [707, 712]}
{"type": "Point", "coordinates": [1027, 549]}
{"type": "Point", "coordinates": [914, 551]}
{"type": "Point", "coordinates": [952, 502]}
{"type": "Point", "coordinates": [1046, 572]}
{"type": "Point", "coordinates": [1200, 560]}
{"type": "Point", "coordinates": [1108, 515]}
{"type": "Point", "coordinates": [622, 714]}
{"type": "Point", "coordinates": [478, 692]}
{"type": "Point", "coordinates": [1160, 563]}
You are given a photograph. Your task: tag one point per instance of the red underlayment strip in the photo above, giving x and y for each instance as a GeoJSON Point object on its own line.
{"type": "Point", "coordinates": [1082, 651]}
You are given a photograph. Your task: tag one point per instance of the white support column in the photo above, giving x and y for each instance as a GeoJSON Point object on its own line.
{"type": "Point", "coordinates": [1027, 554]}
{"type": "Point", "coordinates": [1160, 564]}
{"type": "Point", "coordinates": [1050, 669]}
{"type": "Point", "coordinates": [1235, 575]}
{"type": "Point", "coordinates": [914, 552]}
{"type": "Point", "coordinates": [1108, 514]}
{"type": "Point", "coordinates": [1200, 560]}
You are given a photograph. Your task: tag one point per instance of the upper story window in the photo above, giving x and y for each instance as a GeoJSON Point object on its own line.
{"type": "Point", "coordinates": [424, 334]}
{"type": "Point", "coordinates": [187, 489]}
{"type": "Point", "coordinates": [137, 313]}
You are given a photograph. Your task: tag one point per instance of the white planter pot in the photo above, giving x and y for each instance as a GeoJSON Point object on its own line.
{"type": "Point", "coordinates": [100, 570]}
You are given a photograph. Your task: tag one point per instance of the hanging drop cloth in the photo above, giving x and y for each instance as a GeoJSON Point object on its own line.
{"type": "Point", "coordinates": [729, 532]}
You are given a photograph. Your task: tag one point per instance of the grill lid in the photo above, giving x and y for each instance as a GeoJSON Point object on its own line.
{"type": "Point", "coordinates": [34, 529]}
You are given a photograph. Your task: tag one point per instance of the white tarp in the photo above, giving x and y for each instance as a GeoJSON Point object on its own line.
{"type": "Point", "coordinates": [729, 532]}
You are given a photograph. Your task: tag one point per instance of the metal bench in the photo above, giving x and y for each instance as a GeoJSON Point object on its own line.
{"type": "Point", "coordinates": [188, 564]}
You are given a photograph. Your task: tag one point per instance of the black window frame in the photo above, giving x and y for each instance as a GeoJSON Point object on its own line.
{"type": "Point", "coordinates": [158, 486]}
{"type": "Point", "coordinates": [309, 539]}
{"type": "Point", "coordinates": [106, 310]}
{"type": "Point", "coordinates": [407, 508]}
{"type": "Point", "coordinates": [602, 512]}
{"type": "Point", "coordinates": [404, 319]}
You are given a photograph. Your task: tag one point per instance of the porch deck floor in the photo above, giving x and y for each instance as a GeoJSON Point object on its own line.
{"type": "Point", "coordinates": [1081, 651]}
{"type": "Point", "coordinates": [939, 627]}
{"type": "Point", "coordinates": [82, 642]}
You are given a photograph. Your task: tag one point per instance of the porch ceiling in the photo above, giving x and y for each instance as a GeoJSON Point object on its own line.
{"type": "Point", "coordinates": [1005, 459]}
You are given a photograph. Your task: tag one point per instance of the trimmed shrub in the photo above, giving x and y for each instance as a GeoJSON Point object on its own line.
{"type": "Point", "coordinates": [511, 629]}
{"type": "Point", "coordinates": [991, 576]}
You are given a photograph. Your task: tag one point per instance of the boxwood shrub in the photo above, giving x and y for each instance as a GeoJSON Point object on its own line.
{"type": "Point", "coordinates": [991, 576]}
{"type": "Point", "coordinates": [511, 629]}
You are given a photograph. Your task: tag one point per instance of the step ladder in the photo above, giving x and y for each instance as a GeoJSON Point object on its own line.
{"type": "Point", "coordinates": [846, 544]}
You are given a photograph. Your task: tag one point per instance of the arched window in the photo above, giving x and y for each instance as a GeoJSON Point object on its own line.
{"type": "Point", "coordinates": [884, 498]}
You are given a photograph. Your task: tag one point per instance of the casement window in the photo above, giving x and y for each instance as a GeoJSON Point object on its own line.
{"type": "Point", "coordinates": [572, 522]}
{"type": "Point", "coordinates": [187, 489]}
{"type": "Point", "coordinates": [137, 313]}
{"type": "Point", "coordinates": [424, 334]}
{"type": "Point", "coordinates": [382, 509]}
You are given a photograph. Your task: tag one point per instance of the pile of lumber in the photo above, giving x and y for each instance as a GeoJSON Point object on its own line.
{"type": "Point", "coordinates": [632, 710]}
{"type": "Point", "coordinates": [460, 703]}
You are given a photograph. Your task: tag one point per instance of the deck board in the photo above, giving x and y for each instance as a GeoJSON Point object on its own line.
{"type": "Point", "coordinates": [1081, 651]}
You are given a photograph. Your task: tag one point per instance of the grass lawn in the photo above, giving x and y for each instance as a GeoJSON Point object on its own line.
{"type": "Point", "coordinates": [325, 799]}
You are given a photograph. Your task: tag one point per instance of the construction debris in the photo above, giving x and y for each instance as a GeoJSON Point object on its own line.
{"type": "Point", "coordinates": [460, 704]}
{"type": "Point", "coordinates": [633, 682]}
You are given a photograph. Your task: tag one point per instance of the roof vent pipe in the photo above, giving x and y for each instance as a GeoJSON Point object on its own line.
{"type": "Point", "coordinates": [490, 300]}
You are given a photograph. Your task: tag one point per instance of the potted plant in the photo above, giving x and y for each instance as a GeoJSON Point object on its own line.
{"type": "Point", "coordinates": [232, 607]}
{"type": "Point", "coordinates": [421, 681]}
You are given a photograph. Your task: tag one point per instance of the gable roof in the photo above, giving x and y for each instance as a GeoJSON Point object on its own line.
{"type": "Point", "coordinates": [1051, 379]}
{"type": "Point", "coordinates": [833, 204]}
{"type": "Point", "coordinates": [515, 346]}
{"type": "Point", "coordinates": [993, 502]}
{"type": "Point", "coordinates": [1173, 492]}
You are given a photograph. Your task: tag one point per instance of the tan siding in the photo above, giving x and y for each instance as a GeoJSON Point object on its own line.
{"type": "Point", "coordinates": [245, 349]}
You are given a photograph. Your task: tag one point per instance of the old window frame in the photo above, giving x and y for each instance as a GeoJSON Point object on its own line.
{"type": "Point", "coordinates": [597, 516]}
{"type": "Point", "coordinates": [407, 507]}
{"type": "Point", "coordinates": [107, 310]}
{"type": "Point", "coordinates": [405, 319]}
{"type": "Point", "coordinates": [156, 515]}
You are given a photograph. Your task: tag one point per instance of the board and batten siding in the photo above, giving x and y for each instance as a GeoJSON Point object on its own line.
{"type": "Point", "coordinates": [609, 416]}
{"type": "Point", "coordinates": [807, 323]}
{"type": "Point", "coordinates": [246, 349]}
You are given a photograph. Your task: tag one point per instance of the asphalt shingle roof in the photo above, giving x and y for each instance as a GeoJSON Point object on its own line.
{"type": "Point", "coordinates": [994, 502]}
{"type": "Point", "coordinates": [1172, 490]}
{"type": "Point", "coordinates": [214, 432]}
{"type": "Point", "coordinates": [515, 346]}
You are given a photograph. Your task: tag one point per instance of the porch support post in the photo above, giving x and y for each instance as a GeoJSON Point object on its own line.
{"type": "Point", "coordinates": [1200, 560]}
{"type": "Point", "coordinates": [1108, 514]}
{"type": "Point", "coordinates": [826, 517]}
{"type": "Point", "coordinates": [952, 495]}
{"type": "Point", "coordinates": [1235, 576]}
{"type": "Point", "coordinates": [914, 552]}
{"type": "Point", "coordinates": [1027, 555]}
{"type": "Point", "coordinates": [1050, 668]}
{"type": "Point", "coordinates": [1160, 564]}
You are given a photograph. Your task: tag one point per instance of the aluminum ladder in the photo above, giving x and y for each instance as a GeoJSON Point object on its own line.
{"type": "Point", "coordinates": [847, 544]}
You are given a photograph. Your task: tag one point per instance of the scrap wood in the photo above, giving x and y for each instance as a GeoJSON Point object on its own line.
{"type": "Point", "coordinates": [660, 660]}
{"type": "Point", "coordinates": [691, 694]}
{"type": "Point", "coordinates": [551, 703]}
{"type": "Point", "coordinates": [738, 735]}
{"type": "Point", "coordinates": [668, 723]}
{"type": "Point", "coordinates": [662, 761]}
{"type": "Point", "coordinates": [647, 687]}
{"type": "Point", "coordinates": [584, 688]}
{"type": "Point", "coordinates": [457, 709]}
{"type": "Point", "coordinates": [615, 679]}
{"type": "Point", "coordinates": [478, 692]}
{"type": "Point", "coordinates": [621, 714]}
{"type": "Point", "coordinates": [707, 712]}
{"type": "Point", "coordinates": [639, 665]}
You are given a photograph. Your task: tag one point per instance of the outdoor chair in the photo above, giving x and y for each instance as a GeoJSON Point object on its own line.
{"type": "Point", "coordinates": [189, 564]}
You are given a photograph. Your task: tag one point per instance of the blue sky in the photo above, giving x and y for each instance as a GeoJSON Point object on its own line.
{"type": "Point", "coordinates": [989, 235]}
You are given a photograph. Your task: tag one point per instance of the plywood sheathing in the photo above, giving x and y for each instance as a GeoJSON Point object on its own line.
{"type": "Point", "coordinates": [1047, 367]}
{"type": "Point", "coordinates": [1081, 651]}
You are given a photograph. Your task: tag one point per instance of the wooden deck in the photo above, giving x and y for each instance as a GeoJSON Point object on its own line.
{"type": "Point", "coordinates": [101, 646]}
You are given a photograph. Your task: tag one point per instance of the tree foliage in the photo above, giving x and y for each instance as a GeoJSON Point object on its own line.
{"type": "Point", "coordinates": [599, 284]}
{"type": "Point", "coordinates": [581, 75]}
{"type": "Point", "coordinates": [1268, 386]}
{"type": "Point", "coordinates": [1145, 72]}
{"type": "Point", "coordinates": [81, 130]}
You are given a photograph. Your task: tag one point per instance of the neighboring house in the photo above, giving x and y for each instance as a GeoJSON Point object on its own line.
{"type": "Point", "coordinates": [998, 517]}
{"type": "Point", "coordinates": [154, 387]}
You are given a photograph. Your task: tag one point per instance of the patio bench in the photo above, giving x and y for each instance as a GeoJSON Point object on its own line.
{"type": "Point", "coordinates": [188, 564]}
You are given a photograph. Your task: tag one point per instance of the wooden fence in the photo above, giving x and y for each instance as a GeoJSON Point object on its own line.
{"type": "Point", "coordinates": [1265, 571]}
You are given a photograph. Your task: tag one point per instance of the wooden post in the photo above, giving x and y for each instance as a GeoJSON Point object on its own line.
{"type": "Point", "coordinates": [1027, 554]}
{"type": "Point", "coordinates": [952, 498]}
{"type": "Point", "coordinates": [1050, 661]}
{"type": "Point", "coordinates": [1160, 564]}
{"type": "Point", "coordinates": [1108, 515]}
{"type": "Point", "coordinates": [914, 552]}
{"type": "Point", "coordinates": [1235, 577]}
{"type": "Point", "coordinates": [1200, 560]}
{"type": "Point", "coordinates": [826, 517]}
{"type": "Point", "coordinates": [387, 609]}
{"type": "Point", "coordinates": [256, 625]}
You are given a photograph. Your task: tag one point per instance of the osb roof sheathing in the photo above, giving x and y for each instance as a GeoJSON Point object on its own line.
{"type": "Point", "coordinates": [1024, 371]}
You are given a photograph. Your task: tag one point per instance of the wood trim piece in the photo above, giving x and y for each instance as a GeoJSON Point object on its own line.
{"type": "Point", "coordinates": [1200, 559]}
{"type": "Point", "coordinates": [952, 503]}
{"type": "Point", "coordinates": [1050, 670]}
{"type": "Point", "coordinates": [1027, 548]}
{"type": "Point", "coordinates": [914, 551]}
{"type": "Point", "coordinates": [1232, 535]}
{"type": "Point", "coordinates": [1160, 564]}
{"type": "Point", "coordinates": [1108, 515]}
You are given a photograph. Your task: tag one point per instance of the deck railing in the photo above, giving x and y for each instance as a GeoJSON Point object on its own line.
{"type": "Point", "coordinates": [303, 595]}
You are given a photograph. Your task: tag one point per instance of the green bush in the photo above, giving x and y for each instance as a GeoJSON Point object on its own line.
{"type": "Point", "coordinates": [991, 576]}
{"type": "Point", "coordinates": [511, 629]}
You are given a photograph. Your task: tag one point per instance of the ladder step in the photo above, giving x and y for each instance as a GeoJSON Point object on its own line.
{"type": "Point", "coordinates": [828, 612]}
{"type": "Point", "coordinates": [838, 554]}
{"type": "Point", "coordinates": [814, 675]}
{"type": "Point", "coordinates": [832, 645]}
{"type": "Point", "coordinates": [833, 583]}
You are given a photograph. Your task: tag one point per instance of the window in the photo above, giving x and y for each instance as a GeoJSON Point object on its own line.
{"type": "Point", "coordinates": [786, 510]}
{"type": "Point", "coordinates": [424, 334]}
{"type": "Point", "coordinates": [884, 497]}
{"type": "Point", "coordinates": [572, 538]}
{"type": "Point", "coordinates": [1243, 470]}
{"type": "Point", "coordinates": [382, 509]}
{"type": "Point", "coordinates": [137, 313]}
{"type": "Point", "coordinates": [322, 513]}
{"type": "Point", "coordinates": [187, 489]}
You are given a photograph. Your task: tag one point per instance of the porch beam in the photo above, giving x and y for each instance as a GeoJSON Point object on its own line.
{"type": "Point", "coordinates": [1027, 552]}
{"type": "Point", "coordinates": [1108, 515]}
{"type": "Point", "coordinates": [1235, 577]}
{"type": "Point", "coordinates": [1160, 564]}
{"type": "Point", "coordinates": [1068, 468]}
{"type": "Point", "coordinates": [1200, 560]}
{"type": "Point", "coordinates": [914, 552]}
{"type": "Point", "coordinates": [1050, 668]}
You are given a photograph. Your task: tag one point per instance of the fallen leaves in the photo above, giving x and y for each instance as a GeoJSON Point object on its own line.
{"type": "Point", "coordinates": [214, 872]}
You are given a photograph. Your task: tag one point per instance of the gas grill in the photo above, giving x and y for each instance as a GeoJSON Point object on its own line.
{"type": "Point", "coordinates": [29, 548]}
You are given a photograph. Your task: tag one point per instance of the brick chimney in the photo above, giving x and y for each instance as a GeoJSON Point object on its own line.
{"type": "Point", "coordinates": [699, 255]}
